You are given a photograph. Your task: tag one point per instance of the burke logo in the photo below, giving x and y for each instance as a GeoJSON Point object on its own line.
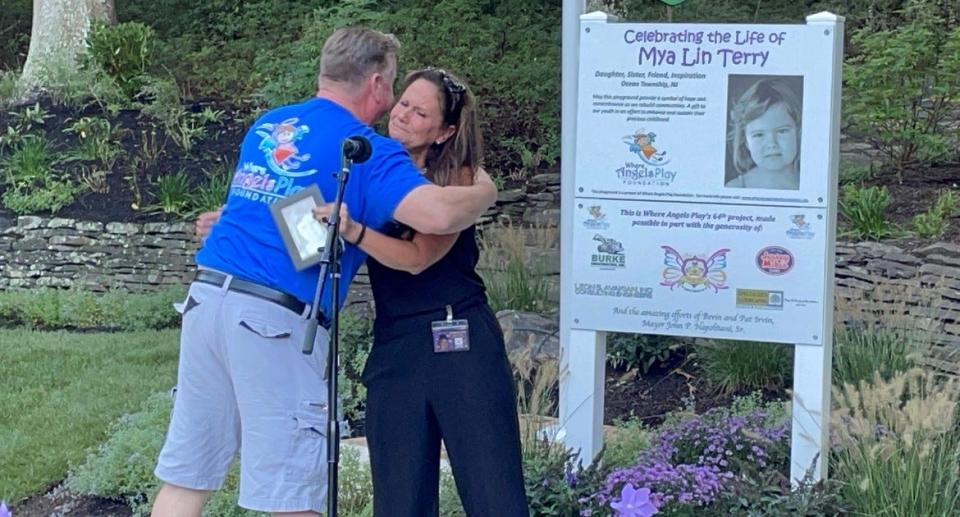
{"type": "Point", "coordinates": [775, 260]}
{"type": "Point", "coordinates": [609, 254]}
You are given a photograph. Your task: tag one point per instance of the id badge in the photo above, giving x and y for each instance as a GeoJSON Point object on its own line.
{"type": "Point", "coordinates": [450, 335]}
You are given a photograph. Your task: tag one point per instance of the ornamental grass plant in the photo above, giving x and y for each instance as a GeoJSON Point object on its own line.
{"type": "Point", "coordinates": [897, 445]}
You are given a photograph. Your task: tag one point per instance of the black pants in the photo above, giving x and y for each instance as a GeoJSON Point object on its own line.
{"type": "Point", "coordinates": [416, 397]}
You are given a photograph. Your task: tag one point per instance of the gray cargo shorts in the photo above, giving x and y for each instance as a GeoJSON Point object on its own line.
{"type": "Point", "coordinates": [243, 385]}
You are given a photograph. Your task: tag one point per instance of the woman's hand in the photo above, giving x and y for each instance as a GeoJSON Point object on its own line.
{"type": "Point", "coordinates": [205, 222]}
{"type": "Point", "coordinates": [349, 229]}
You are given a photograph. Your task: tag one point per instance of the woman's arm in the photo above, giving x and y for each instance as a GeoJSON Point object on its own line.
{"type": "Point", "coordinates": [412, 256]}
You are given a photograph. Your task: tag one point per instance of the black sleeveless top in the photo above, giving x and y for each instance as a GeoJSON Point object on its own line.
{"type": "Point", "coordinates": [452, 280]}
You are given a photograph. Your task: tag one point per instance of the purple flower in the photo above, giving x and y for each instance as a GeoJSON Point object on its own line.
{"type": "Point", "coordinates": [4, 511]}
{"type": "Point", "coordinates": [634, 503]}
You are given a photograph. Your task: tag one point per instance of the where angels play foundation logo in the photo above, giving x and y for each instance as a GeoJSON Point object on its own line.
{"type": "Point", "coordinates": [651, 168]}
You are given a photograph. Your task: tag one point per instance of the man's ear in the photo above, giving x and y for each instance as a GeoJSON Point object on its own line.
{"type": "Point", "coordinates": [379, 85]}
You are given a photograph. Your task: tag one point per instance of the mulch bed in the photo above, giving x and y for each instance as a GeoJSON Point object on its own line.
{"type": "Point", "coordinates": [58, 502]}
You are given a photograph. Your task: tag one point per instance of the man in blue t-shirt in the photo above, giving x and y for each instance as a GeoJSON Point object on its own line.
{"type": "Point", "coordinates": [243, 383]}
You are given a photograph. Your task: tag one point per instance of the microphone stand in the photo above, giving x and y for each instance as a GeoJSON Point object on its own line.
{"type": "Point", "coordinates": [330, 261]}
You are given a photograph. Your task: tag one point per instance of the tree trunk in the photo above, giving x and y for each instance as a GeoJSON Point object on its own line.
{"type": "Point", "coordinates": [58, 36]}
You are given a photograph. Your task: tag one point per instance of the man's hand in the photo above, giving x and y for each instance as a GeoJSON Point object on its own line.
{"type": "Point", "coordinates": [205, 222]}
{"type": "Point", "coordinates": [349, 229]}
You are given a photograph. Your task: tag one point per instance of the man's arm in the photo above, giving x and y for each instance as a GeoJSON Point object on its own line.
{"type": "Point", "coordinates": [445, 210]}
{"type": "Point", "coordinates": [413, 256]}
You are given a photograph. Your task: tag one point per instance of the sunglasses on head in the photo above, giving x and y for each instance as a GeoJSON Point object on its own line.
{"type": "Point", "coordinates": [455, 92]}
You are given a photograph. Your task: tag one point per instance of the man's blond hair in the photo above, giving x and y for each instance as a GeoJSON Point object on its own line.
{"type": "Point", "coordinates": [352, 54]}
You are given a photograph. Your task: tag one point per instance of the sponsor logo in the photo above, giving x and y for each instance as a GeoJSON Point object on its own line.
{"type": "Point", "coordinates": [615, 291]}
{"type": "Point", "coordinates": [775, 260]}
{"type": "Point", "coordinates": [759, 299]}
{"type": "Point", "coordinates": [694, 273]}
{"type": "Point", "coordinates": [650, 169]}
{"type": "Point", "coordinates": [641, 144]}
{"type": "Point", "coordinates": [597, 220]}
{"type": "Point", "coordinates": [609, 254]}
{"type": "Point", "coordinates": [801, 228]}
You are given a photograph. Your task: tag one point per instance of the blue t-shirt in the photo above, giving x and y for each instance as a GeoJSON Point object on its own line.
{"type": "Point", "coordinates": [287, 150]}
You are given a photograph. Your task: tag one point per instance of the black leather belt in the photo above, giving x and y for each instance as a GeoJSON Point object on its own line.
{"type": "Point", "coordinates": [242, 286]}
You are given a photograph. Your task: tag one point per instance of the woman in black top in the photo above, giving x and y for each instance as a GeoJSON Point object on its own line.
{"type": "Point", "coordinates": [438, 369]}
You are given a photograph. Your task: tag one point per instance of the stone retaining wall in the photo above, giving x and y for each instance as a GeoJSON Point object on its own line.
{"type": "Point", "coordinates": [918, 290]}
{"type": "Point", "coordinates": [36, 252]}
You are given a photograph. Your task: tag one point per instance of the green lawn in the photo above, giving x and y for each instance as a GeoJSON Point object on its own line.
{"type": "Point", "coordinates": [59, 392]}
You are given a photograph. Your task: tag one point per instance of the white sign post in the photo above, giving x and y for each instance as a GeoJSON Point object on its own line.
{"type": "Point", "coordinates": [699, 199]}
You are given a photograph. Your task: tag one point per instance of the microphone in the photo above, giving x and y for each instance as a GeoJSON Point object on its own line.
{"type": "Point", "coordinates": [357, 149]}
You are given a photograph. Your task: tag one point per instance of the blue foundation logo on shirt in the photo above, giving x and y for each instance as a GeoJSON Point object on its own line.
{"type": "Point", "coordinates": [280, 149]}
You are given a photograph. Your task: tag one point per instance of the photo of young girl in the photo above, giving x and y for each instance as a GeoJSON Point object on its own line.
{"type": "Point", "coordinates": [765, 126]}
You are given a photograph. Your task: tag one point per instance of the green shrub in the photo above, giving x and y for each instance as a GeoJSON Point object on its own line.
{"type": "Point", "coordinates": [78, 89]}
{"type": "Point", "coordinates": [450, 504]}
{"type": "Point", "coordinates": [15, 18]}
{"type": "Point", "coordinates": [555, 479]}
{"type": "Point", "coordinates": [771, 494]}
{"type": "Point", "coordinates": [356, 340]}
{"type": "Point", "coordinates": [508, 51]}
{"type": "Point", "coordinates": [99, 141]}
{"type": "Point", "coordinates": [520, 286]}
{"type": "Point", "coordinates": [35, 308]}
{"type": "Point", "coordinates": [55, 195]}
{"type": "Point", "coordinates": [209, 46]}
{"type": "Point", "coordinates": [640, 351]}
{"type": "Point", "coordinates": [854, 173]}
{"type": "Point", "coordinates": [515, 274]}
{"type": "Point", "coordinates": [33, 185]}
{"type": "Point", "coordinates": [163, 103]}
{"type": "Point", "coordinates": [52, 309]}
{"type": "Point", "coordinates": [213, 194]}
{"type": "Point", "coordinates": [865, 208]}
{"type": "Point", "coordinates": [861, 353]}
{"type": "Point", "coordinates": [624, 446]}
{"type": "Point", "coordinates": [173, 193]}
{"type": "Point", "coordinates": [355, 486]}
{"type": "Point", "coordinates": [734, 366]}
{"type": "Point", "coordinates": [29, 118]}
{"type": "Point", "coordinates": [8, 86]}
{"type": "Point", "coordinates": [122, 467]}
{"type": "Point", "coordinates": [123, 51]}
{"type": "Point", "coordinates": [147, 311]}
{"type": "Point", "coordinates": [899, 90]}
{"type": "Point", "coordinates": [934, 222]}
